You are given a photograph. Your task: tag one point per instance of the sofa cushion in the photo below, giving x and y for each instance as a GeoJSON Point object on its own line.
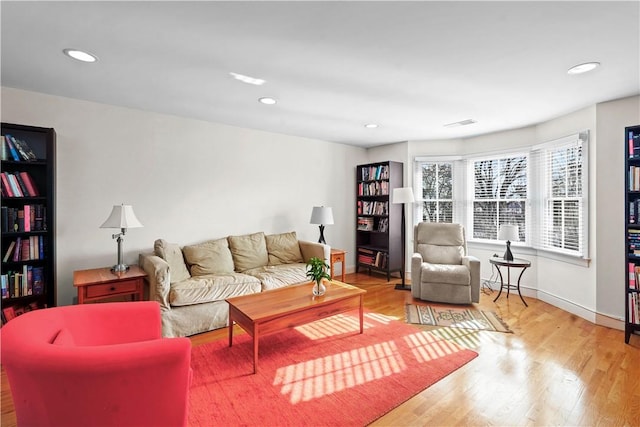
{"type": "Point", "coordinates": [249, 251]}
{"type": "Point", "coordinates": [172, 254]}
{"type": "Point", "coordinates": [277, 276]}
{"type": "Point", "coordinates": [441, 254]}
{"type": "Point", "coordinates": [212, 288]}
{"type": "Point", "coordinates": [283, 248]}
{"type": "Point", "coordinates": [441, 273]}
{"type": "Point", "coordinates": [211, 257]}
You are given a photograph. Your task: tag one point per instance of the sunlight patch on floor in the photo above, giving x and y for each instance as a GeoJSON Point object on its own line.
{"type": "Point", "coordinates": [340, 324]}
{"type": "Point", "coordinates": [426, 346]}
{"type": "Point", "coordinates": [315, 378]}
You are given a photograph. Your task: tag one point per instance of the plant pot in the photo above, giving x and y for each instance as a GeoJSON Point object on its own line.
{"type": "Point", "coordinates": [319, 289]}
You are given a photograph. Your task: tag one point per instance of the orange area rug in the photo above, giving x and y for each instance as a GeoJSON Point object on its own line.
{"type": "Point", "coordinates": [324, 373]}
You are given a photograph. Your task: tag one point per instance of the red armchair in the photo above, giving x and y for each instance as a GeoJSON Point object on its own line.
{"type": "Point", "coordinates": [96, 365]}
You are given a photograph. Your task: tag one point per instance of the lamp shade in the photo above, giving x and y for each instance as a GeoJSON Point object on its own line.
{"type": "Point", "coordinates": [509, 232]}
{"type": "Point", "coordinates": [321, 215]}
{"type": "Point", "coordinates": [122, 216]}
{"type": "Point", "coordinates": [403, 195]}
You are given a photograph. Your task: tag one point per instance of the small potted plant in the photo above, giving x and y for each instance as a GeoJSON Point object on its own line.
{"type": "Point", "coordinates": [316, 271]}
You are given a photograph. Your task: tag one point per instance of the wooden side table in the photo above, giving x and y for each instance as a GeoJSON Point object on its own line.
{"type": "Point", "coordinates": [338, 255]}
{"type": "Point", "coordinates": [100, 283]}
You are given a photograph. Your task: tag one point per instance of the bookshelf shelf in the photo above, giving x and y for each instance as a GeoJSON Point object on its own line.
{"type": "Point", "coordinates": [632, 219]}
{"type": "Point", "coordinates": [378, 221]}
{"type": "Point", "coordinates": [28, 220]}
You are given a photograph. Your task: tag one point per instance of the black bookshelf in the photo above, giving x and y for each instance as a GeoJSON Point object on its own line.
{"type": "Point", "coordinates": [632, 231]}
{"type": "Point", "coordinates": [378, 220]}
{"type": "Point", "coordinates": [36, 259]}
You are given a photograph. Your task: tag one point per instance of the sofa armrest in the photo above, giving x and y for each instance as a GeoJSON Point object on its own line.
{"type": "Point", "coordinates": [416, 267]}
{"type": "Point", "coordinates": [313, 249]}
{"type": "Point", "coordinates": [159, 278]}
{"type": "Point", "coordinates": [473, 264]}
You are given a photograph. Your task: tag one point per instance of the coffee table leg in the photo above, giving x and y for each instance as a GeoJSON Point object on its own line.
{"type": "Point", "coordinates": [361, 314]}
{"type": "Point", "coordinates": [255, 351]}
{"type": "Point", "coordinates": [230, 329]}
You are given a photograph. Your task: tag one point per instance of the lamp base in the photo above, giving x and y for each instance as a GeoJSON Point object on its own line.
{"type": "Point", "coordinates": [119, 268]}
{"type": "Point", "coordinates": [321, 239]}
{"type": "Point", "coordinates": [402, 287]}
{"type": "Point", "coordinates": [508, 256]}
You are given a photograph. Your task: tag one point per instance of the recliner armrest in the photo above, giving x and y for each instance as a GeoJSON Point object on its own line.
{"type": "Point", "coordinates": [416, 263]}
{"type": "Point", "coordinates": [473, 264]}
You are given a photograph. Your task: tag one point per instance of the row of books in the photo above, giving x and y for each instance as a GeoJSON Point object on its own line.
{"type": "Point", "coordinates": [374, 172]}
{"type": "Point", "coordinates": [373, 208]}
{"type": "Point", "coordinates": [374, 258]}
{"type": "Point", "coordinates": [25, 282]}
{"type": "Point", "coordinates": [365, 224]}
{"type": "Point", "coordinates": [13, 311]}
{"type": "Point", "coordinates": [634, 308]}
{"type": "Point", "coordinates": [634, 211]}
{"type": "Point", "coordinates": [634, 276]}
{"type": "Point", "coordinates": [634, 146]}
{"type": "Point", "coordinates": [25, 249]}
{"type": "Point", "coordinates": [29, 218]}
{"type": "Point", "coordinates": [18, 184]}
{"type": "Point", "coordinates": [633, 241]}
{"type": "Point", "coordinates": [16, 150]}
{"type": "Point", "coordinates": [375, 188]}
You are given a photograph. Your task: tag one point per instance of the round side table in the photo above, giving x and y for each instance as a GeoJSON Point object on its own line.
{"type": "Point", "coordinates": [517, 263]}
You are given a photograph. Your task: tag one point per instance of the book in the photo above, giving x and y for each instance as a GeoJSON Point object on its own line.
{"type": "Point", "coordinates": [5, 150]}
{"type": "Point", "coordinates": [30, 185]}
{"type": "Point", "coordinates": [24, 149]}
{"type": "Point", "coordinates": [7, 254]}
{"type": "Point", "coordinates": [12, 149]}
{"type": "Point", "coordinates": [27, 217]}
{"type": "Point", "coordinates": [4, 286]}
{"type": "Point", "coordinates": [9, 313]}
{"type": "Point", "coordinates": [15, 187]}
{"type": "Point", "coordinates": [6, 187]}
{"type": "Point", "coordinates": [38, 280]}
{"type": "Point", "coordinates": [16, 253]}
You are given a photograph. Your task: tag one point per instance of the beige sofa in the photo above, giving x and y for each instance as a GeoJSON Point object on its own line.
{"type": "Point", "coordinates": [192, 282]}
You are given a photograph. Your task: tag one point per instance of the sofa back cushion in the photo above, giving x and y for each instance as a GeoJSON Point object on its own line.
{"type": "Point", "coordinates": [172, 254]}
{"type": "Point", "coordinates": [249, 251]}
{"type": "Point", "coordinates": [211, 257]}
{"type": "Point", "coordinates": [283, 248]}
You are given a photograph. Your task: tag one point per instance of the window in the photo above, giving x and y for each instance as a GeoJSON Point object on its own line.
{"type": "Point", "coordinates": [562, 201]}
{"type": "Point", "coordinates": [499, 195]}
{"type": "Point", "coordinates": [436, 180]}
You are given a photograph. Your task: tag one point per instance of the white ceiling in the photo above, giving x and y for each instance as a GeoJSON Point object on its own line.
{"type": "Point", "coordinates": [411, 67]}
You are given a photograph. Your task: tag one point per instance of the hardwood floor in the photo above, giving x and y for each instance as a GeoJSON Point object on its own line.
{"type": "Point", "coordinates": [555, 369]}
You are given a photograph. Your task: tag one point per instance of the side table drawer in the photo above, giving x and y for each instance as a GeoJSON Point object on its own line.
{"type": "Point", "coordinates": [111, 288]}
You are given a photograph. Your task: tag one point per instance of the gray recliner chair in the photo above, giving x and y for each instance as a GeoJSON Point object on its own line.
{"type": "Point", "coordinates": [441, 269]}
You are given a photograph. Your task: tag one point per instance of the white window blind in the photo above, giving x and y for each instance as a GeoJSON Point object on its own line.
{"type": "Point", "coordinates": [500, 191]}
{"type": "Point", "coordinates": [562, 202]}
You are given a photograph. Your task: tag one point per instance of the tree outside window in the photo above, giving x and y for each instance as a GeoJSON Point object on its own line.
{"type": "Point", "coordinates": [437, 191]}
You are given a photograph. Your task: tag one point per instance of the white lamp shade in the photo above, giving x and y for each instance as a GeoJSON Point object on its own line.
{"type": "Point", "coordinates": [321, 215]}
{"type": "Point", "coordinates": [403, 195]}
{"type": "Point", "coordinates": [122, 216]}
{"type": "Point", "coordinates": [509, 232]}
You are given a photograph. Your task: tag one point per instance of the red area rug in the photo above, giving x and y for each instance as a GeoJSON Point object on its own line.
{"type": "Point", "coordinates": [323, 373]}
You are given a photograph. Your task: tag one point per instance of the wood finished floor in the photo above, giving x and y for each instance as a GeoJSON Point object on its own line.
{"type": "Point", "coordinates": [555, 369]}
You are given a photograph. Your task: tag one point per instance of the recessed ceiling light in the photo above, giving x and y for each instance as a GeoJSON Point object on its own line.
{"type": "Point", "coordinates": [267, 100]}
{"type": "Point", "coordinates": [460, 123]}
{"type": "Point", "coordinates": [80, 55]}
{"type": "Point", "coordinates": [247, 79]}
{"type": "Point", "coordinates": [371, 126]}
{"type": "Point", "coordinates": [583, 68]}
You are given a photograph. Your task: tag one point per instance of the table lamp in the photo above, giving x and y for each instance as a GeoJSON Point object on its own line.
{"type": "Point", "coordinates": [121, 217]}
{"type": "Point", "coordinates": [321, 215]}
{"type": "Point", "coordinates": [510, 233]}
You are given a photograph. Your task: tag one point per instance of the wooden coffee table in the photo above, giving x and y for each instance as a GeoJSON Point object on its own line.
{"type": "Point", "coordinates": [278, 309]}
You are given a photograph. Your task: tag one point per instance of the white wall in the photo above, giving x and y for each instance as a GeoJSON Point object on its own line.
{"type": "Point", "coordinates": [187, 180]}
{"type": "Point", "coordinates": [612, 118]}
